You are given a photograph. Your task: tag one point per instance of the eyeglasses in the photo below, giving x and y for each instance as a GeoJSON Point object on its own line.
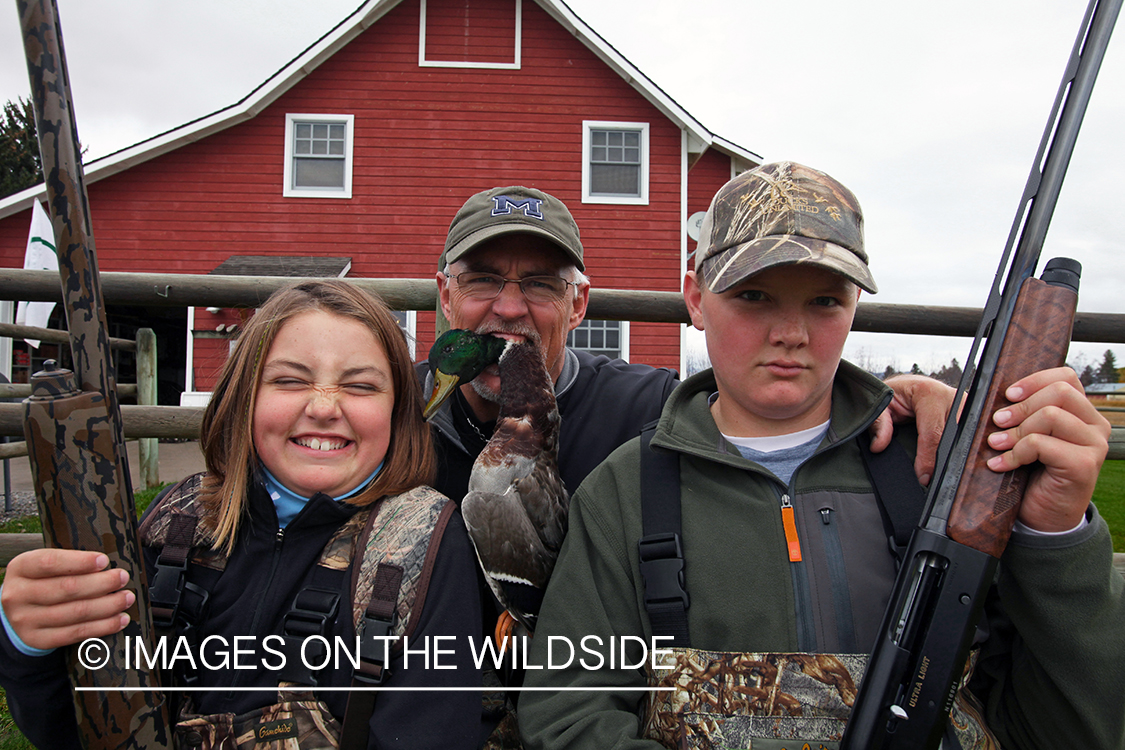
{"type": "Point", "coordinates": [479, 285]}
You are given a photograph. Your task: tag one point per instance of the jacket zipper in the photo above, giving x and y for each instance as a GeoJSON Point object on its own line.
{"type": "Point", "coordinates": [841, 595]}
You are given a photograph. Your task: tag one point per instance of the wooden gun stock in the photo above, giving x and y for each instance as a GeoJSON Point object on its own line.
{"type": "Point", "coordinates": [986, 503]}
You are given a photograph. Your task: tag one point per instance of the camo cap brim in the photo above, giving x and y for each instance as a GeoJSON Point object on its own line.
{"type": "Point", "coordinates": [781, 214]}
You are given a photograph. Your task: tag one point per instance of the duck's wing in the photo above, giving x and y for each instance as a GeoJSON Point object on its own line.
{"type": "Point", "coordinates": [511, 552]}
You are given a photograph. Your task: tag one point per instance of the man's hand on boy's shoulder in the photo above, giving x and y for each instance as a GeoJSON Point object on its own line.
{"type": "Point", "coordinates": [925, 401]}
{"type": "Point", "coordinates": [1051, 421]}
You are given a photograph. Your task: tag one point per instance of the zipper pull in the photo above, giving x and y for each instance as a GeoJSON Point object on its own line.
{"type": "Point", "coordinates": [826, 516]}
{"type": "Point", "coordinates": [789, 521]}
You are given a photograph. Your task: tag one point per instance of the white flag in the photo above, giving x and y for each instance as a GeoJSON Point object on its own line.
{"type": "Point", "coordinates": [40, 256]}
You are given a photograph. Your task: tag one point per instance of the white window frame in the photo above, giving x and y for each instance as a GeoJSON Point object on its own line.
{"type": "Point", "coordinates": [624, 333]}
{"type": "Point", "coordinates": [410, 329]}
{"type": "Point", "coordinates": [514, 65]}
{"type": "Point", "coordinates": [349, 140]}
{"type": "Point", "coordinates": [588, 126]}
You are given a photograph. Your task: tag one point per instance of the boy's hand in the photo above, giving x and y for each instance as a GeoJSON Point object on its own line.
{"type": "Point", "coordinates": [56, 597]}
{"type": "Point", "coordinates": [1051, 421]}
{"type": "Point", "coordinates": [927, 402]}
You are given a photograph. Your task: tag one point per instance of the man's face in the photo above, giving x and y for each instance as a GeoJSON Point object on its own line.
{"type": "Point", "coordinates": [515, 256]}
{"type": "Point", "coordinates": [775, 341]}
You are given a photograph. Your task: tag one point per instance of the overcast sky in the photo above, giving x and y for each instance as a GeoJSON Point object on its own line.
{"type": "Point", "coordinates": [930, 112]}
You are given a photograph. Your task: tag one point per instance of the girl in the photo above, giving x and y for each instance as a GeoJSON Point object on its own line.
{"type": "Point", "coordinates": [313, 438]}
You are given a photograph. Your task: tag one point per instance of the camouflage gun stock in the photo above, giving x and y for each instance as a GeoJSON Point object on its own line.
{"type": "Point", "coordinates": [73, 424]}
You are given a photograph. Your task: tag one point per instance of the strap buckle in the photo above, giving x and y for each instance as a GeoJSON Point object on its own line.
{"type": "Point", "coordinates": [165, 591]}
{"type": "Point", "coordinates": [373, 632]}
{"type": "Point", "coordinates": [662, 568]}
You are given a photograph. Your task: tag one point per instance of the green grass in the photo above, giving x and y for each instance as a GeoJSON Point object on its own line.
{"type": "Point", "coordinates": [10, 737]}
{"type": "Point", "coordinates": [1109, 496]}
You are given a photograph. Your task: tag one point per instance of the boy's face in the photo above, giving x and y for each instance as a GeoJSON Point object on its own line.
{"type": "Point", "coordinates": [774, 340]}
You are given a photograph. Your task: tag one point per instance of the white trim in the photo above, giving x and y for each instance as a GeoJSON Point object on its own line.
{"type": "Point", "coordinates": [412, 332]}
{"type": "Point", "coordinates": [625, 339]}
{"type": "Point", "coordinates": [424, 63]}
{"type": "Point", "coordinates": [630, 200]}
{"type": "Point", "coordinates": [189, 374]}
{"type": "Point", "coordinates": [287, 189]}
{"type": "Point", "coordinates": [7, 315]}
{"type": "Point", "coordinates": [684, 249]}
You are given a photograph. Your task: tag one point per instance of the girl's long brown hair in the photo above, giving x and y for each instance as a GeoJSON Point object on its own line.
{"type": "Point", "coordinates": [226, 432]}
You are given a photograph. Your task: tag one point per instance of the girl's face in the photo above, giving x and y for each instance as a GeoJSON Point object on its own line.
{"type": "Point", "coordinates": [322, 417]}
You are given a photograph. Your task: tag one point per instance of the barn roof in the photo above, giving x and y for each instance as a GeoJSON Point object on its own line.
{"type": "Point", "coordinates": [334, 40]}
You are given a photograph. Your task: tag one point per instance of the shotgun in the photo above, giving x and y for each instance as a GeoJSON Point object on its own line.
{"type": "Point", "coordinates": [937, 601]}
{"type": "Point", "coordinates": [73, 426]}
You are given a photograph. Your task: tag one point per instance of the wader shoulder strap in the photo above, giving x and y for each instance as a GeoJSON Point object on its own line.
{"type": "Point", "coordinates": [901, 498]}
{"type": "Point", "coordinates": [173, 526]}
{"type": "Point", "coordinates": [660, 547]}
{"type": "Point", "coordinates": [398, 562]}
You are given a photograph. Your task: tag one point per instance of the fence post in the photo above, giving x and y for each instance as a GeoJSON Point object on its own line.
{"type": "Point", "coordinates": [148, 448]}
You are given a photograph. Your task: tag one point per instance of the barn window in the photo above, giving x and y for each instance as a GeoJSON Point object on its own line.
{"type": "Point", "coordinates": [318, 156]}
{"type": "Point", "coordinates": [615, 162]}
{"type": "Point", "coordinates": [608, 337]}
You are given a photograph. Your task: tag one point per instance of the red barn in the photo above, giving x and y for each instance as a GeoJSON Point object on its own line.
{"type": "Point", "coordinates": [354, 158]}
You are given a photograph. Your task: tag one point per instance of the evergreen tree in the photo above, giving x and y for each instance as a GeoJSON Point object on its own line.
{"type": "Point", "coordinates": [916, 370]}
{"type": "Point", "coordinates": [1088, 376]}
{"type": "Point", "coordinates": [889, 372]}
{"type": "Point", "coordinates": [19, 148]}
{"type": "Point", "coordinates": [949, 374]}
{"type": "Point", "coordinates": [1107, 373]}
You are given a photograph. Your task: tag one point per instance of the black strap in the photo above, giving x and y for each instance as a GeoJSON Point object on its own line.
{"type": "Point", "coordinates": [378, 622]}
{"type": "Point", "coordinates": [313, 612]}
{"type": "Point", "coordinates": [167, 585]}
{"type": "Point", "coordinates": [901, 498]}
{"type": "Point", "coordinates": [661, 547]}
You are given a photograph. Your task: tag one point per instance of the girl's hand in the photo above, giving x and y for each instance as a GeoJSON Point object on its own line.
{"type": "Point", "coordinates": [1051, 421]}
{"type": "Point", "coordinates": [56, 597]}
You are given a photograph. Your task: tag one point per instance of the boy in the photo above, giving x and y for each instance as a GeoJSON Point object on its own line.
{"type": "Point", "coordinates": [787, 566]}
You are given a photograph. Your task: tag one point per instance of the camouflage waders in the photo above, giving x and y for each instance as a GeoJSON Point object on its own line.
{"type": "Point", "coordinates": [771, 701]}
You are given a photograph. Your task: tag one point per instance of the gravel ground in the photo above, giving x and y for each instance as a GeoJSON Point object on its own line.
{"type": "Point", "coordinates": [22, 504]}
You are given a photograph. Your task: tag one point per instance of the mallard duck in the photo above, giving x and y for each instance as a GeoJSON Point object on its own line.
{"type": "Point", "coordinates": [516, 507]}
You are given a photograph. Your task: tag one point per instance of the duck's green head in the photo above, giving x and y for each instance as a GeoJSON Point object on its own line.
{"type": "Point", "coordinates": [457, 357]}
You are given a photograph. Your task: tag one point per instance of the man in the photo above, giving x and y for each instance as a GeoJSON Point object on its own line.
{"type": "Point", "coordinates": [518, 232]}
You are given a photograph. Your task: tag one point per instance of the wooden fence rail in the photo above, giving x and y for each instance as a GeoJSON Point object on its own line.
{"type": "Point", "coordinates": [185, 290]}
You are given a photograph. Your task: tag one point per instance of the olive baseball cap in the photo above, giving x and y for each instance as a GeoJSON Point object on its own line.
{"type": "Point", "coordinates": [781, 214]}
{"type": "Point", "coordinates": [513, 209]}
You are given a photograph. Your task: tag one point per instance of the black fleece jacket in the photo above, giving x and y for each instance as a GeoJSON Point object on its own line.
{"type": "Point", "coordinates": [267, 569]}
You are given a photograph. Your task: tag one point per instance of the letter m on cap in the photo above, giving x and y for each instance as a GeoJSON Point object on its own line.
{"type": "Point", "coordinates": [503, 205]}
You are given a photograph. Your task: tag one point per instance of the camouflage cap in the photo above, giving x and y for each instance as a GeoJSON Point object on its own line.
{"type": "Point", "coordinates": [514, 209]}
{"type": "Point", "coordinates": [781, 214]}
